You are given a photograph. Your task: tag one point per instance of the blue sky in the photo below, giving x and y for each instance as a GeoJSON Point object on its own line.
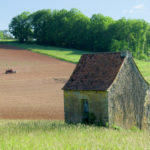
{"type": "Point", "coordinates": [138, 9]}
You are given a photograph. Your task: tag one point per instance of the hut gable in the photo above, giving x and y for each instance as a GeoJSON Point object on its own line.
{"type": "Point", "coordinates": [95, 72]}
{"type": "Point", "coordinates": [126, 96]}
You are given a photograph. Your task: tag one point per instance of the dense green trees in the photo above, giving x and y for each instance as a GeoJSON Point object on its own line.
{"type": "Point", "coordinates": [73, 29]}
{"type": "Point", "coordinates": [99, 35]}
{"type": "Point", "coordinates": [20, 27]}
{"type": "Point", "coordinates": [130, 34]}
{"type": "Point", "coordinates": [39, 23]}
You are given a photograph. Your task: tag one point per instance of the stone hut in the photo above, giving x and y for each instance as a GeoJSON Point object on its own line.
{"type": "Point", "coordinates": [107, 89]}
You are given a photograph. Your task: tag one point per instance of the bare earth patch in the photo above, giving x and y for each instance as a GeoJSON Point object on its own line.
{"type": "Point", "coordinates": [34, 92]}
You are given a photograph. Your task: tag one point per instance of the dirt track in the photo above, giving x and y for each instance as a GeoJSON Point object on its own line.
{"type": "Point", "coordinates": [34, 92]}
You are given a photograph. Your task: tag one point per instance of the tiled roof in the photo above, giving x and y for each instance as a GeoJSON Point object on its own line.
{"type": "Point", "coordinates": [95, 72]}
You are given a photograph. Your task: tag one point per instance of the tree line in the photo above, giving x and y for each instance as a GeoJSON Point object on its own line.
{"type": "Point", "coordinates": [72, 29]}
{"type": "Point", "coordinates": [4, 34]}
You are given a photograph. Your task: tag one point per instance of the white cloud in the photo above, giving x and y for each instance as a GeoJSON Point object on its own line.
{"type": "Point", "coordinates": [133, 9]}
{"type": "Point", "coordinates": [140, 6]}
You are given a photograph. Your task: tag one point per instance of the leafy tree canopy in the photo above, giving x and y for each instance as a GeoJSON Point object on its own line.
{"type": "Point", "coordinates": [73, 29]}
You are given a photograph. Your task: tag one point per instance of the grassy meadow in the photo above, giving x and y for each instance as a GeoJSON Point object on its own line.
{"type": "Point", "coordinates": [56, 135]}
{"type": "Point", "coordinates": [144, 69]}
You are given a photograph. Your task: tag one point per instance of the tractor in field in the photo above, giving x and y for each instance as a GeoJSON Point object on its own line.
{"type": "Point", "coordinates": [10, 71]}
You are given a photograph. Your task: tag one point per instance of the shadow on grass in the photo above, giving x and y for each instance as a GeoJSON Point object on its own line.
{"type": "Point", "coordinates": [30, 46]}
{"type": "Point", "coordinates": [31, 126]}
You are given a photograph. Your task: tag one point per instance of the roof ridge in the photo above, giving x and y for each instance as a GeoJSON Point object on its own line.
{"type": "Point", "coordinates": [122, 53]}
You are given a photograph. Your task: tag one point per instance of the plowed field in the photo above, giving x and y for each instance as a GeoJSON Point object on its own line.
{"type": "Point", "coordinates": [34, 92]}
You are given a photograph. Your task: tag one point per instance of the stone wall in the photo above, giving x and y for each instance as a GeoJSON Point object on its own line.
{"type": "Point", "coordinates": [127, 96]}
{"type": "Point", "coordinates": [146, 116]}
{"type": "Point", "coordinates": [98, 106]}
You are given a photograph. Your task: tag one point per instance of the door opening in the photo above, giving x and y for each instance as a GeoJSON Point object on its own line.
{"type": "Point", "coordinates": [85, 111]}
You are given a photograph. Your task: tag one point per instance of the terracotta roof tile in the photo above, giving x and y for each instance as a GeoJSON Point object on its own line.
{"type": "Point", "coordinates": [95, 72]}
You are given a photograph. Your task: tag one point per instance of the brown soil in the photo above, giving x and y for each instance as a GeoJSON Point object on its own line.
{"type": "Point", "coordinates": [34, 92]}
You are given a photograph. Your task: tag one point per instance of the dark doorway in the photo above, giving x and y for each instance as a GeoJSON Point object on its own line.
{"type": "Point", "coordinates": [85, 111]}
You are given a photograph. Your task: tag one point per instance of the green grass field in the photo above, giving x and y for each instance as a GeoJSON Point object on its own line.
{"type": "Point", "coordinates": [70, 55]}
{"type": "Point", "coordinates": [56, 135]}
